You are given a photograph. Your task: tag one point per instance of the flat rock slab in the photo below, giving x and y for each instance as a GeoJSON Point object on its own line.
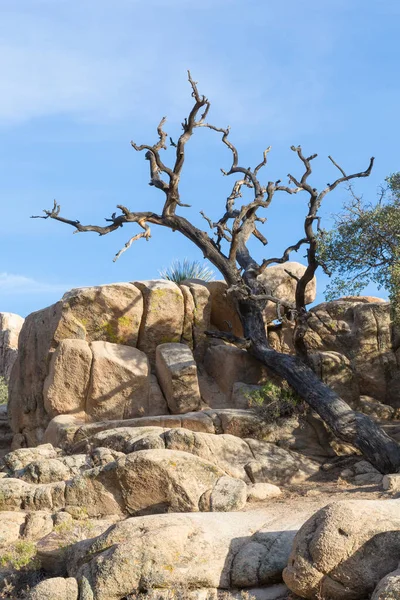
{"type": "Point", "coordinates": [189, 551]}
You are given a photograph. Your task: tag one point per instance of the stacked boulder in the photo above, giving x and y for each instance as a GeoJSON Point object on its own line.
{"type": "Point", "coordinates": [136, 459]}
{"type": "Point", "coordinates": [130, 350]}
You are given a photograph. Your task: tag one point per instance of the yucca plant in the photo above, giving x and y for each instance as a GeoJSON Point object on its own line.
{"type": "Point", "coordinates": [187, 269]}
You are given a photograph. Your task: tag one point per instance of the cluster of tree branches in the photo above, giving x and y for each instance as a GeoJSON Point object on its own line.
{"type": "Point", "coordinates": [226, 247]}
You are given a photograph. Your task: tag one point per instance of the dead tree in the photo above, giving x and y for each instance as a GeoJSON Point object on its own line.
{"type": "Point", "coordinates": [226, 247]}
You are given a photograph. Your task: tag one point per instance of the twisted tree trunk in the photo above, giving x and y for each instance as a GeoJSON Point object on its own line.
{"type": "Point", "coordinates": [352, 427]}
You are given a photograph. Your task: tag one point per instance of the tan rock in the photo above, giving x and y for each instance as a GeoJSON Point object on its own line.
{"type": "Point", "coordinates": [149, 481]}
{"type": "Point", "coordinates": [95, 493]}
{"type": "Point", "coordinates": [56, 588]}
{"type": "Point", "coordinates": [224, 315]}
{"type": "Point", "coordinates": [61, 430]}
{"type": "Point", "coordinates": [50, 470]}
{"type": "Point", "coordinates": [272, 464]}
{"type": "Point", "coordinates": [52, 548]}
{"type": "Point", "coordinates": [201, 315]}
{"type": "Point", "coordinates": [280, 337]}
{"type": "Point", "coordinates": [162, 553]}
{"type": "Point", "coordinates": [279, 283]}
{"type": "Point", "coordinates": [335, 370]}
{"type": "Point", "coordinates": [363, 299]}
{"type": "Point", "coordinates": [227, 365]}
{"type": "Point", "coordinates": [37, 525]}
{"type": "Point", "coordinates": [241, 394]}
{"type": "Point", "coordinates": [165, 481]}
{"type": "Point", "coordinates": [370, 406]}
{"type": "Point", "coordinates": [344, 549]}
{"type": "Point", "coordinates": [177, 375]}
{"type": "Point", "coordinates": [109, 313]}
{"type": "Point", "coordinates": [228, 495]}
{"type": "Point", "coordinates": [10, 327]}
{"type": "Point", "coordinates": [66, 386]}
{"type": "Point", "coordinates": [11, 525]}
{"type": "Point", "coordinates": [163, 315]}
{"type": "Point", "coordinates": [189, 309]}
{"type": "Point", "coordinates": [361, 331]}
{"type": "Point", "coordinates": [25, 407]}
{"type": "Point", "coordinates": [211, 394]}
{"type": "Point", "coordinates": [262, 491]}
{"type": "Point", "coordinates": [248, 460]}
{"type": "Point", "coordinates": [18, 459]}
{"type": "Point", "coordinates": [157, 402]}
{"type": "Point", "coordinates": [16, 495]}
{"type": "Point", "coordinates": [120, 382]}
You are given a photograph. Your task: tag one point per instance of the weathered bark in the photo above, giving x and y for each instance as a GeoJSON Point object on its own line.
{"type": "Point", "coordinates": [352, 427]}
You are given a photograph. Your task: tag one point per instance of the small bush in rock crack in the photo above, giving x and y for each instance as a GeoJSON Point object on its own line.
{"type": "Point", "coordinates": [272, 402]}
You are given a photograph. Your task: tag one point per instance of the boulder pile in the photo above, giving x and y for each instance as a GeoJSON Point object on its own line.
{"type": "Point", "coordinates": [139, 471]}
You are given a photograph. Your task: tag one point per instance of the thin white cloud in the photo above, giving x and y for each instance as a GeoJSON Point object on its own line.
{"type": "Point", "coordinates": [13, 284]}
{"type": "Point", "coordinates": [105, 64]}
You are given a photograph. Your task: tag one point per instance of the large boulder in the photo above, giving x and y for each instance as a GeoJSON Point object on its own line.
{"type": "Point", "coordinates": [119, 383]}
{"type": "Point", "coordinates": [10, 327]}
{"type": "Point", "coordinates": [280, 281]}
{"type": "Point", "coordinates": [56, 588]}
{"type": "Point", "coordinates": [153, 481]}
{"type": "Point", "coordinates": [345, 549]}
{"type": "Point", "coordinates": [163, 315]}
{"type": "Point", "coordinates": [177, 375]}
{"type": "Point", "coordinates": [110, 313]}
{"type": "Point", "coordinates": [66, 386]}
{"type": "Point", "coordinates": [362, 333]}
{"type": "Point", "coordinates": [184, 552]}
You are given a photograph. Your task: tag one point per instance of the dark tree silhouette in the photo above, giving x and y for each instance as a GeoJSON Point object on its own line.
{"type": "Point", "coordinates": [241, 271]}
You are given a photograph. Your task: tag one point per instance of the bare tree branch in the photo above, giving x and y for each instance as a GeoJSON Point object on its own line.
{"type": "Point", "coordinates": [241, 271]}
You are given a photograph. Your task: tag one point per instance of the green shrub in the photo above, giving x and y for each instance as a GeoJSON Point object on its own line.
{"type": "Point", "coordinates": [19, 555]}
{"type": "Point", "coordinates": [273, 402]}
{"type": "Point", "coordinates": [186, 269]}
{"type": "Point", "coordinates": [3, 391]}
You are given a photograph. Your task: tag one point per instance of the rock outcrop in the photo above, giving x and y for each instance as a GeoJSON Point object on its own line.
{"type": "Point", "coordinates": [183, 552]}
{"type": "Point", "coordinates": [10, 327]}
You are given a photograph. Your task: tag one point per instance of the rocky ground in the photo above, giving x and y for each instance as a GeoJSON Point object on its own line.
{"type": "Point", "coordinates": [133, 466]}
{"type": "Point", "coordinates": [157, 512]}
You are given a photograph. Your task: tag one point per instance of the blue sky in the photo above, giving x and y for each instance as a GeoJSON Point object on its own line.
{"type": "Point", "coordinates": [81, 78]}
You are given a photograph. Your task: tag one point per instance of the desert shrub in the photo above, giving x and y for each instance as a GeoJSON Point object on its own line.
{"type": "Point", "coordinates": [3, 391]}
{"type": "Point", "coordinates": [272, 402]}
{"type": "Point", "coordinates": [19, 555]}
{"type": "Point", "coordinates": [186, 269]}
